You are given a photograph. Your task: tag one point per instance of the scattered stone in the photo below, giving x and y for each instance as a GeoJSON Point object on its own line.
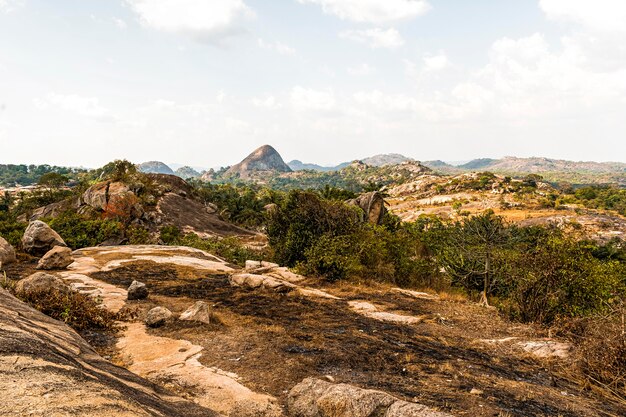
{"type": "Point", "coordinates": [59, 257]}
{"type": "Point", "coordinates": [39, 238]}
{"type": "Point", "coordinates": [254, 281]}
{"type": "Point", "coordinates": [329, 378]}
{"type": "Point", "coordinates": [41, 282]}
{"type": "Point", "coordinates": [416, 294]}
{"type": "Point", "coordinates": [317, 398]}
{"type": "Point", "coordinates": [476, 391]}
{"type": "Point", "coordinates": [157, 317]}
{"type": "Point", "coordinates": [370, 310]}
{"type": "Point", "coordinates": [137, 291]}
{"type": "Point", "coordinates": [7, 253]}
{"type": "Point", "coordinates": [547, 348]}
{"type": "Point", "coordinates": [199, 312]}
{"type": "Point", "coordinates": [260, 264]}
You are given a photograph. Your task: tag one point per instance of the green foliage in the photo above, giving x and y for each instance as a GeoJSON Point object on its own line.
{"type": "Point", "coordinates": [12, 175]}
{"type": "Point", "coordinates": [598, 197]}
{"type": "Point", "coordinates": [80, 232]}
{"type": "Point", "coordinates": [79, 311]}
{"type": "Point", "coordinates": [11, 229]}
{"type": "Point", "coordinates": [118, 170]}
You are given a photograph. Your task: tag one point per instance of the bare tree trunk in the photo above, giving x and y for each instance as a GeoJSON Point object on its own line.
{"type": "Point", "coordinates": [484, 301]}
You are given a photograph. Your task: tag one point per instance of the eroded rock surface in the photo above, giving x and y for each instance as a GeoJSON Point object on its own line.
{"type": "Point", "coordinates": [47, 369]}
{"type": "Point", "coordinates": [318, 398]}
{"type": "Point", "coordinates": [41, 282]}
{"type": "Point", "coordinates": [7, 253]}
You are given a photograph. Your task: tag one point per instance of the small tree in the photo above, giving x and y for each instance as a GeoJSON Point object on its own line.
{"type": "Point", "coordinates": [470, 253]}
{"type": "Point", "coordinates": [52, 181]}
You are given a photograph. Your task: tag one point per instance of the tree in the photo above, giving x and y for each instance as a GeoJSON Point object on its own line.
{"type": "Point", "coordinates": [52, 181]}
{"type": "Point", "coordinates": [470, 253]}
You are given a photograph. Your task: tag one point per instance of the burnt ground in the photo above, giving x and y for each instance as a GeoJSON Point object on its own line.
{"type": "Point", "coordinates": [274, 341]}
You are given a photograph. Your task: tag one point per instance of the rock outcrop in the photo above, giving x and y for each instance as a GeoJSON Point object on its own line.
{"type": "Point", "coordinates": [318, 398]}
{"type": "Point", "coordinates": [39, 238]}
{"type": "Point", "coordinates": [199, 312]}
{"type": "Point", "coordinates": [264, 159]}
{"type": "Point", "coordinates": [99, 195]}
{"type": "Point", "coordinates": [49, 370]}
{"type": "Point", "coordinates": [7, 253]}
{"type": "Point", "coordinates": [155, 167]}
{"type": "Point", "coordinates": [373, 204]}
{"type": "Point", "coordinates": [41, 282]}
{"type": "Point", "coordinates": [59, 257]}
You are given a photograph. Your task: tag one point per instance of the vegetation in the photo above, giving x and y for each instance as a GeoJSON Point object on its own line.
{"type": "Point", "coordinates": [12, 175]}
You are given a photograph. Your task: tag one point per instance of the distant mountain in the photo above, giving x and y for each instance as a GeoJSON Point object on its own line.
{"type": "Point", "coordinates": [480, 163]}
{"type": "Point", "coordinates": [264, 159]}
{"type": "Point", "coordinates": [155, 167]}
{"type": "Point", "coordinates": [382, 160]}
{"type": "Point", "coordinates": [301, 166]}
{"type": "Point", "coordinates": [176, 166]}
{"type": "Point", "coordinates": [437, 164]}
{"type": "Point", "coordinates": [534, 165]}
{"type": "Point", "coordinates": [187, 172]}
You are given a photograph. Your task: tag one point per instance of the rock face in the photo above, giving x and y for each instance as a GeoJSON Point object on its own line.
{"type": "Point", "coordinates": [39, 238]}
{"type": "Point", "coordinates": [157, 317]}
{"type": "Point", "coordinates": [199, 312]}
{"type": "Point", "coordinates": [41, 282]}
{"type": "Point", "coordinates": [59, 257]}
{"type": "Point", "coordinates": [317, 398]}
{"type": "Point", "coordinates": [137, 291]}
{"type": "Point", "coordinates": [99, 195]}
{"type": "Point", "coordinates": [373, 204]}
{"type": "Point", "coordinates": [47, 369]}
{"type": "Point", "coordinates": [7, 253]}
{"type": "Point", "coordinates": [264, 159]}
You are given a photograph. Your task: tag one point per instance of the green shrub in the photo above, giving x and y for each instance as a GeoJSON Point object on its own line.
{"type": "Point", "coordinates": [80, 232]}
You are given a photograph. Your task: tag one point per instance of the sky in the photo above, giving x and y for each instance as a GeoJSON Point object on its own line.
{"type": "Point", "coordinates": [204, 82]}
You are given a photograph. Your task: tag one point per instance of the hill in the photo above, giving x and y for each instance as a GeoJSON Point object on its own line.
{"type": "Point", "coordinates": [264, 160]}
{"type": "Point", "coordinates": [155, 167]}
{"type": "Point", "coordinates": [187, 172]}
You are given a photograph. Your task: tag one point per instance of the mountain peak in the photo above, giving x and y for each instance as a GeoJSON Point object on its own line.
{"type": "Point", "coordinates": [263, 159]}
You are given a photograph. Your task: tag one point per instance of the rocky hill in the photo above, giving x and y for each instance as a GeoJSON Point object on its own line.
{"type": "Point", "coordinates": [264, 160]}
{"type": "Point", "coordinates": [155, 167]}
{"type": "Point", "coordinates": [374, 161]}
{"type": "Point", "coordinates": [187, 172]}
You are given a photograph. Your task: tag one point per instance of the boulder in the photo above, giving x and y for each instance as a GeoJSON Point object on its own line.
{"type": "Point", "coordinates": [260, 264]}
{"type": "Point", "coordinates": [59, 257]}
{"type": "Point", "coordinates": [41, 282]}
{"type": "Point", "coordinates": [157, 317]}
{"type": "Point", "coordinates": [39, 238]}
{"type": "Point", "coordinates": [137, 291]}
{"type": "Point", "coordinates": [318, 398]}
{"type": "Point", "coordinates": [373, 204]}
{"type": "Point", "coordinates": [99, 195]}
{"type": "Point", "coordinates": [7, 253]}
{"type": "Point", "coordinates": [199, 312]}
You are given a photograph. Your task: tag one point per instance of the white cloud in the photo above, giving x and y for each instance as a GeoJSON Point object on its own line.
{"type": "Point", "coordinates": [372, 11]}
{"type": "Point", "coordinates": [375, 38]}
{"type": "Point", "coordinates": [310, 99]}
{"type": "Point", "coordinates": [361, 70]}
{"type": "Point", "coordinates": [82, 106]}
{"type": "Point", "coordinates": [7, 6]}
{"type": "Point", "coordinates": [600, 15]}
{"type": "Point", "coordinates": [208, 21]}
{"type": "Point", "coordinates": [277, 47]}
{"type": "Point", "coordinates": [268, 102]}
{"type": "Point", "coordinates": [436, 62]}
{"type": "Point", "coordinates": [120, 23]}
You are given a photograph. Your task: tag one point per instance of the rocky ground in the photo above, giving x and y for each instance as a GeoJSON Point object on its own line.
{"type": "Point", "coordinates": [270, 329]}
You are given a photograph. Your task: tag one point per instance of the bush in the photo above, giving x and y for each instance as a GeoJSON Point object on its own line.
{"type": "Point", "coordinates": [77, 310]}
{"type": "Point", "coordinates": [11, 229]}
{"type": "Point", "coordinates": [79, 232]}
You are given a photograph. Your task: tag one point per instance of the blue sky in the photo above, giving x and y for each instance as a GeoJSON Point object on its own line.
{"type": "Point", "coordinates": [203, 82]}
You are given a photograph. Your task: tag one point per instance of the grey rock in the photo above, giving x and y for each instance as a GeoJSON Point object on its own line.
{"type": "Point", "coordinates": [157, 317]}
{"type": "Point", "coordinates": [59, 257]}
{"type": "Point", "coordinates": [39, 238]}
{"type": "Point", "coordinates": [137, 291]}
{"type": "Point", "coordinates": [199, 312]}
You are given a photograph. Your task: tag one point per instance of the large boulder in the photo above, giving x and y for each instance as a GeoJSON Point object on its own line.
{"type": "Point", "coordinates": [59, 257]}
{"type": "Point", "coordinates": [99, 195]}
{"type": "Point", "coordinates": [137, 291]}
{"type": "Point", "coordinates": [7, 253]}
{"type": "Point", "coordinates": [373, 204]}
{"type": "Point", "coordinates": [41, 282]}
{"type": "Point", "coordinates": [318, 398]}
{"type": "Point", "coordinates": [39, 238]}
